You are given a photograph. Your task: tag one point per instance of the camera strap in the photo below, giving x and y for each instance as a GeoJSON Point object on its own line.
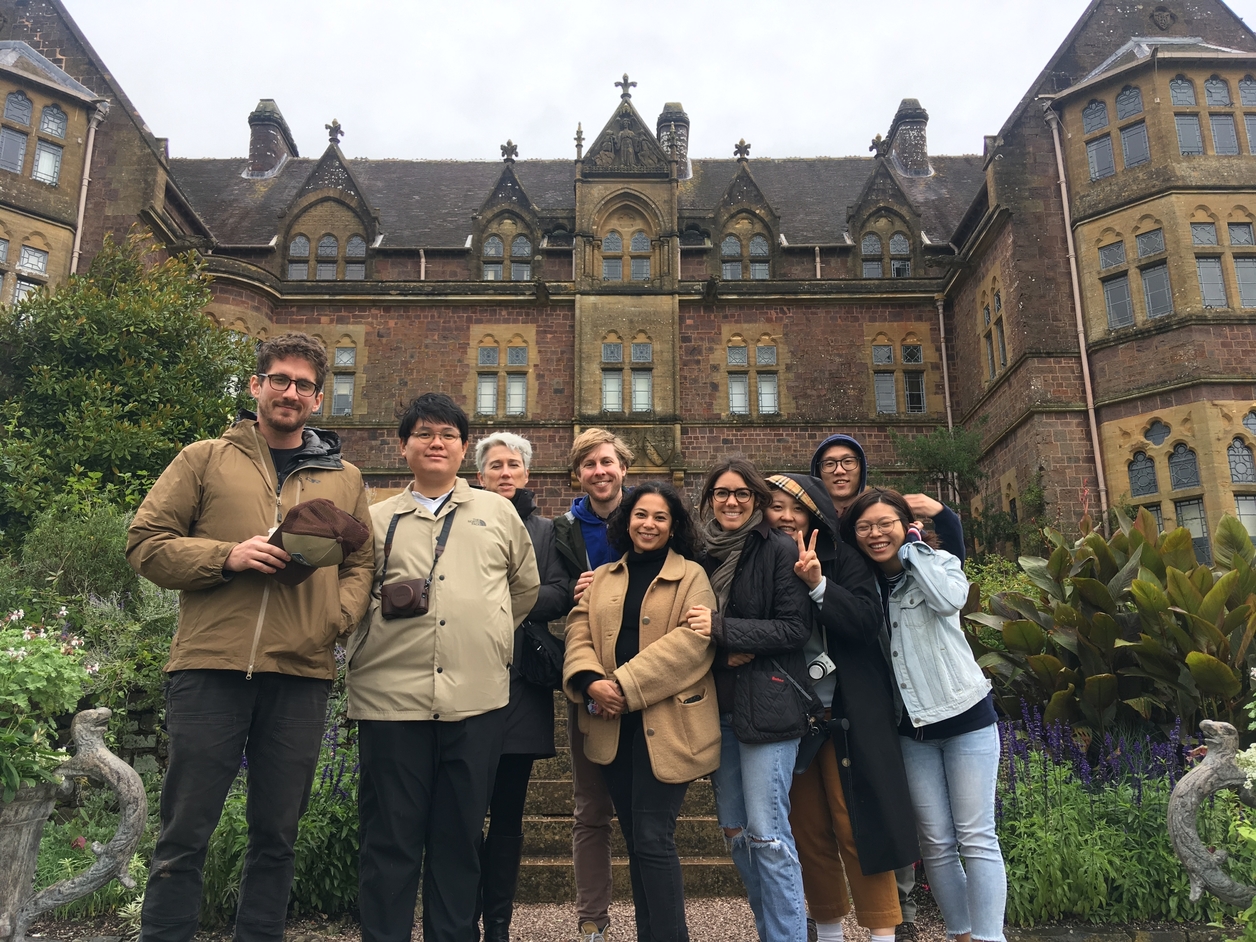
{"type": "Point", "coordinates": [440, 540]}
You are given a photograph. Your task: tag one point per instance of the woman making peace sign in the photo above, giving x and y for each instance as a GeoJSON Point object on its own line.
{"type": "Point", "coordinates": [851, 810]}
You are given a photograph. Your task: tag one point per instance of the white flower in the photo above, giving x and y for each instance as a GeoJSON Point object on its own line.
{"type": "Point", "coordinates": [63, 612]}
{"type": "Point", "coordinates": [17, 616]}
{"type": "Point", "coordinates": [92, 668]}
{"type": "Point", "coordinates": [1246, 760]}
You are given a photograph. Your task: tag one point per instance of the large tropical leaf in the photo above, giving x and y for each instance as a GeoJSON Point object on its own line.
{"type": "Point", "coordinates": [1213, 678]}
{"type": "Point", "coordinates": [1046, 670]}
{"type": "Point", "coordinates": [1150, 602]}
{"type": "Point", "coordinates": [1108, 565]}
{"type": "Point", "coordinates": [1060, 706]}
{"type": "Point", "coordinates": [1201, 578]}
{"type": "Point", "coordinates": [1177, 549]}
{"type": "Point", "coordinates": [1095, 593]}
{"type": "Point", "coordinates": [1212, 608]}
{"type": "Point", "coordinates": [1024, 637]}
{"type": "Point", "coordinates": [1093, 660]}
{"type": "Point", "coordinates": [999, 664]}
{"type": "Point", "coordinates": [1142, 705]}
{"type": "Point", "coordinates": [1120, 583]}
{"type": "Point", "coordinates": [990, 621]}
{"type": "Point", "coordinates": [1123, 521]}
{"type": "Point", "coordinates": [1100, 691]}
{"type": "Point", "coordinates": [1231, 539]}
{"type": "Point", "coordinates": [1145, 524]}
{"type": "Point", "coordinates": [1181, 591]}
{"type": "Point", "coordinates": [1245, 582]}
{"type": "Point", "coordinates": [1206, 635]}
{"type": "Point", "coordinates": [1104, 632]}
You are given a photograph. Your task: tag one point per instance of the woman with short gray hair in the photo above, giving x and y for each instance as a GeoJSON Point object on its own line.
{"type": "Point", "coordinates": [502, 460]}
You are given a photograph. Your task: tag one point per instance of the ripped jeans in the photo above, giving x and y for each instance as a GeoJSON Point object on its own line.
{"type": "Point", "coordinates": [752, 794]}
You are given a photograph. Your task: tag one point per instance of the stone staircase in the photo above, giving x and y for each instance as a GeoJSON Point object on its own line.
{"type": "Point", "coordinates": [547, 874]}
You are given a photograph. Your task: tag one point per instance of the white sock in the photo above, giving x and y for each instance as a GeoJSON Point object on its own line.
{"type": "Point", "coordinates": [883, 938]}
{"type": "Point", "coordinates": [829, 932]}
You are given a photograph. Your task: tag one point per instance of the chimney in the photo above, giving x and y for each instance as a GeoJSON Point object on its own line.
{"type": "Point", "coordinates": [270, 141]}
{"type": "Point", "coordinates": [908, 147]}
{"type": "Point", "coordinates": [673, 135]}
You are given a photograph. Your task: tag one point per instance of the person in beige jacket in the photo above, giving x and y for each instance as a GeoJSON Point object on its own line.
{"type": "Point", "coordinates": [642, 676]}
{"type": "Point", "coordinates": [429, 689]}
{"type": "Point", "coordinates": [252, 660]}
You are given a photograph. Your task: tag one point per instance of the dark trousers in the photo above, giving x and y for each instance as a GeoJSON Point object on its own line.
{"type": "Point", "coordinates": [502, 851]}
{"type": "Point", "coordinates": [422, 799]}
{"type": "Point", "coordinates": [276, 722]}
{"type": "Point", "coordinates": [647, 810]}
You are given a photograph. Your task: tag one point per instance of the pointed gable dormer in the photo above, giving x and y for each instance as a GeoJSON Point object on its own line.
{"type": "Point", "coordinates": [743, 193]}
{"type": "Point", "coordinates": [884, 226]}
{"type": "Point", "coordinates": [626, 145]}
{"type": "Point", "coordinates": [332, 179]}
{"type": "Point", "coordinates": [508, 193]}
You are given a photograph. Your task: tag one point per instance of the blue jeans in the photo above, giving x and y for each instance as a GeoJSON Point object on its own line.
{"type": "Point", "coordinates": [752, 793]}
{"type": "Point", "coordinates": [952, 785]}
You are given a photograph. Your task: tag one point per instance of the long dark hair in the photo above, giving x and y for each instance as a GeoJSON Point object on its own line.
{"type": "Point", "coordinates": [871, 497]}
{"type": "Point", "coordinates": [737, 464]}
{"type": "Point", "coordinates": [682, 523]}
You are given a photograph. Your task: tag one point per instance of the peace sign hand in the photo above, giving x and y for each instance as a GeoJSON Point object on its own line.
{"type": "Point", "coordinates": [808, 566]}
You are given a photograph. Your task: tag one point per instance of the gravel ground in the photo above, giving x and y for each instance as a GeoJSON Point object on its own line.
{"type": "Point", "coordinates": [710, 920]}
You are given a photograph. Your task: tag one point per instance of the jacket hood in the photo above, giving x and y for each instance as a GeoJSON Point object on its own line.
{"type": "Point", "coordinates": [850, 443]}
{"type": "Point", "coordinates": [582, 511]}
{"type": "Point", "coordinates": [814, 488]}
{"type": "Point", "coordinates": [315, 442]}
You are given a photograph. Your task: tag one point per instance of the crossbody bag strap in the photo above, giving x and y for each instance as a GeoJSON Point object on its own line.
{"type": "Point", "coordinates": [440, 541]}
{"type": "Point", "coordinates": [807, 694]}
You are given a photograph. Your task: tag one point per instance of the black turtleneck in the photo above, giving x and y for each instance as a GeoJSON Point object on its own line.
{"type": "Point", "coordinates": [643, 569]}
{"type": "Point", "coordinates": [524, 503]}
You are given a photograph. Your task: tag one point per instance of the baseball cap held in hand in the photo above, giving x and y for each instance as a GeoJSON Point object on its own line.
{"type": "Point", "coordinates": [316, 533]}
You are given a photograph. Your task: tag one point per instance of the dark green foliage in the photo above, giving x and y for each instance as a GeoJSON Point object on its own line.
{"type": "Point", "coordinates": [931, 458]}
{"type": "Point", "coordinates": [77, 546]}
{"type": "Point", "coordinates": [111, 374]}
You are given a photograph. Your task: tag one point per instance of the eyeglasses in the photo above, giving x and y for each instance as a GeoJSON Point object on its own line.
{"type": "Point", "coordinates": [427, 436]}
{"type": "Point", "coordinates": [881, 526]}
{"type": "Point", "coordinates": [849, 463]}
{"type": "Point", "coordinates": [278, 382]}
{"type": "Point", "coordinates": [741, 495]}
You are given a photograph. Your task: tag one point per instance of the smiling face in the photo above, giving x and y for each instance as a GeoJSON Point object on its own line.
{"type": "Point", "coordinates": [880, 532]}
{"type": "Point", "coordinates": [434, 452]}
{"type": "Point", "coordinates": [787, 514]}
{"type": "Point", "coordinates": [840, 481]}
{"type": "Point", "coordinates": [732, 512]}
{"type": "Point", "coordinates": [602, 477]}
{"type": "Point", "coordinates": [503, 472]}
{"type": "Point", "coordinates": [650, 523]}
{"type": "Point", "coordinates": [284, 413]}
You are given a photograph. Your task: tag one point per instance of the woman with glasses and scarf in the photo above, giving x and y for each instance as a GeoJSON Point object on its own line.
{"type": "Point", "coordinates": [850, 810]}
{"type": "Point", "coordinates": [760, 626]}
{"type": "Point", "coordinates": [948, 730]}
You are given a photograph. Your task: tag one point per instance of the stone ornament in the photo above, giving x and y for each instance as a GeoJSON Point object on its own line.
{"type": "Point", "coordinates": [19, 843]}
{"type": "Point", "coordinates": [1217, 771]}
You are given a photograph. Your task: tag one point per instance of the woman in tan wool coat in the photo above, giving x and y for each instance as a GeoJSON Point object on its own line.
{"type": "Point", "coordinates": [644, 676]}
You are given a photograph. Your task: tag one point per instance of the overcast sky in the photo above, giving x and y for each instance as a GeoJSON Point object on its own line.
{"type": "Point", "coordinates": [419, 79]}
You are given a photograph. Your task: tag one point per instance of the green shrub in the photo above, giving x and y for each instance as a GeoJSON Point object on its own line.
{"type": "Point", "coordinates": [80, 549]}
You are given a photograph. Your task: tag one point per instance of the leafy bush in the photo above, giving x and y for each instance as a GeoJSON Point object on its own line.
{"type": "Point", "coordinates": [42, 677]}
{"type": "Point", "coordinates": [1127, 630]}
{"type": "Point", "coordinates": [130, 644]}
{"type": "Point", "coordinates": [78, 547]}
{"type": "Point", "coordinates": [1088, 840]}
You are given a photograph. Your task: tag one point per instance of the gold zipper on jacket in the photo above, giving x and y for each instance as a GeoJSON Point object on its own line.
{"type": "Point", "coordinates": [261, 612]}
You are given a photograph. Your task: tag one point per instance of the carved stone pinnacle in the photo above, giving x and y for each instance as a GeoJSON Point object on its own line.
{"type": "Point", "coordinates": [510, 150]}
{"type": "Point", "coordinates": [626, 85]}
{"type": "Point", "coordinates": [334, 131]}
{"type": "Point", "coordinates": [741, 150]}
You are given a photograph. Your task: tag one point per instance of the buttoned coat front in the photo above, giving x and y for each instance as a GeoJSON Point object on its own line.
{"type": "Point", "coordinates": [669, 681]}
{"type": "Point", "coordinates": [454, 662]}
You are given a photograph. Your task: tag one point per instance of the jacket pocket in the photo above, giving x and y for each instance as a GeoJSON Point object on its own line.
{"type": "Point", "coordinates": [772, 707]}
{"type": "Point", "coordinates": [699, 718]}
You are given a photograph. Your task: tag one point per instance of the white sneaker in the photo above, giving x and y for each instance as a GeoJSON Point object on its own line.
{"type": "Point", "coordinates": [589, 932]}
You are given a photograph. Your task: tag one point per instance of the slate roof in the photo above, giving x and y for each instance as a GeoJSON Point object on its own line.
{"type": "Point", "coordinates": [430, 203]}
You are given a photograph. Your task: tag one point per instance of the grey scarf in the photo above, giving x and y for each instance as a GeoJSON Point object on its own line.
{"type": "Point", "coordinates": [726, 546]}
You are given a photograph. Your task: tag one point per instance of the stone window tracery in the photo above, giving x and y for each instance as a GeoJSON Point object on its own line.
{"type": "Point", "coordinates": [1242, 470]}
{"type": "Point", "coordinates": [994, 333]}
{"type": "Point", "coordinates": [52, 121]}
{"type": "Point", "coordinates": [1094, 117]}
{"type": "Point", "coordinates": [1217, 92]}
{"type": "Point", "coordinates": [1157, 432]}
{"type": "Point", "coordinates": [1128, 103]}
{"type": "Point", "coordinates": [1183, 468]}
{"type": "Point", "coordinates": [1142, 471]}
{"type": "Point", "coordinates": [17, 108]}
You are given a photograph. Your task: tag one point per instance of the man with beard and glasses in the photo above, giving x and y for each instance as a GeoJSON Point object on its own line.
{"type": "Point", "coordinates": [252, 662]}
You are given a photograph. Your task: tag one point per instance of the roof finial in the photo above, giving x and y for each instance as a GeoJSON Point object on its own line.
{"type": "Point", "coordinates": [334, 131]}
{"type": "Point", "coordinates": [579, 140]}
{"type": "Point", "coordinates": [510, 150]}
{"type": "Point", "coordinates": [741, 150]}
{"type": "Point", "coordinates": [880, 147]}
{"type": "Point", "coordinates": [626, 85]}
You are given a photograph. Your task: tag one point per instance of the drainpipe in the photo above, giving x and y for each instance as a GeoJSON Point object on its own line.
{"type": "Point", "coordinates": [1053, 120]}
{"type": "Point", "coordinates": [422, 265]}
{"type": "Point", "coordinates": [98, 115]}
{"type": "Point", "coordinates": [817, 263]}
{"type": "Point", "coordinates": [946, 388]}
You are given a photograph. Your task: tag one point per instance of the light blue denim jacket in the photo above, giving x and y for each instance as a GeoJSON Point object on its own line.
{"type": "Point", "coordinates": [934, 668]}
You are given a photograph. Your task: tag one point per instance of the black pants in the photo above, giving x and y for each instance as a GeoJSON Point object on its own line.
{"type": "Point", "coordinates": [422, 799]}
{"type": "Point", "coordinates": [214, 717]}
{"type": "Point", "coordinates": [647, 811]}
{"type": "Point", "coordinates": [510, 793]}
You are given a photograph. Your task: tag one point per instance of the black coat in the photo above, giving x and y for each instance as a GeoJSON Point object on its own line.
{"type": "Point", "coordinates": [530, 712]}
{"type": "Point", "coordinates": [768, 615]}
{"type": "Point", "coordinates": [864, 726]}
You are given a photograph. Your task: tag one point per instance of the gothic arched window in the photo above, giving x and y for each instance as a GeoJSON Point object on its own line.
{"type": "Point", "coordinates": [759, 253]}
{"type": "Point", "coordinates": [1142, 476]}
{"type": "Point", "coordinates": [612, 267]}
{"type": "Point", "coordinates": [299, 258]}
{"type": "Point", "coordinates": [1217, 93]}
{"type": "Point", "coordinates": [326, 264]}
{"type": "Point", "coordinates": [52, 121]}
{"type": "Point", "coordinates": [1183, 468]}
{"type": "Point", "coordinates": [17, 108]}
{"type": "Point", "coordinates": [1094, 117]}
{"type": "Point", "coordinates": [1181, 91]}
{"type": "Point", "coordinates": [1242, 470]}
{"type": "Point", "coordinates": [1128, 103]}
{"type": "Point", "coordinates": [1157, 432]}
{"type": "Point", "coordinates": [870, 249]}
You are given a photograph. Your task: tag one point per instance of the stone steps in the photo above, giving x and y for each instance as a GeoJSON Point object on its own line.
{"type": "Point", "coordinates": [547, 874]}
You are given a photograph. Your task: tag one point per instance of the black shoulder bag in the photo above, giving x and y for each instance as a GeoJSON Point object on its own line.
{"type": "Point", "coordinates": [541, 657]}
{"type": "Point", "coordinates": [817, 730]}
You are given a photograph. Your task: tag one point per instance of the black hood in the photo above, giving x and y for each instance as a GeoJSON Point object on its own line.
{"type": "Point", "coordinates": [814, 488]}
{"type": "Point", "coordinates": [525, 504]}
{"type": "Point", "coordinates": [315, 442]}
{"type": "Point", "coordinates": [850, 443]}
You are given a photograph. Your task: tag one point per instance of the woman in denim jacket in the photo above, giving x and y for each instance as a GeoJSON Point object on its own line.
{"type": "Point", "coordinates": [948, 733]}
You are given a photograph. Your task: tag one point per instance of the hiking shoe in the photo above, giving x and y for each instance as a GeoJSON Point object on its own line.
{"type": "Point", "coordinates": [813, 934]}
{"type": "Point", "coordinates": [905, 932]}
{"type": "Point", "coordinates": [589, 932]}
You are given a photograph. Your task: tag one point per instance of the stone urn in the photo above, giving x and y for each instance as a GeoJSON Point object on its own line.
{"type": "Point", "coordinates": [22, 824]}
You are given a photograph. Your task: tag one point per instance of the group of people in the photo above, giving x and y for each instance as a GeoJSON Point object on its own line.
{"type": "Point", "coordinates": [797, 639]}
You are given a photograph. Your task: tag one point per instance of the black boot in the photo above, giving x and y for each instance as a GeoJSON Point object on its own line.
{"type": "Point", "coordinates": [499, 876]}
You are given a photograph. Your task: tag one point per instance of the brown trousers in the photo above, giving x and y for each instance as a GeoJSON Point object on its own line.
{"type": "Point", "coordinates": [826, 848]}
{"type": "Point", "coordinates": [591, 833]}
